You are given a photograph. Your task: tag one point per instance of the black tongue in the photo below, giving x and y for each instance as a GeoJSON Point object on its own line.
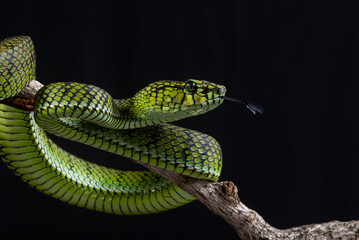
{"type": "Point", "coordinates": [254, 108]}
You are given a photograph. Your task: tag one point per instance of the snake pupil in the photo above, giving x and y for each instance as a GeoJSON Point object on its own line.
{"type": "Point", "coordinates": [190, 86]}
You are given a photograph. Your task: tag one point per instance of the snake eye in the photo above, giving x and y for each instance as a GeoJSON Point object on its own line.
{"type": "Point", "coordinates": [190, 86]}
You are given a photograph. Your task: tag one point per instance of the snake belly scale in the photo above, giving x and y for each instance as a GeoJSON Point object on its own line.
{"type": "Point", "coordinates": [136, 128]}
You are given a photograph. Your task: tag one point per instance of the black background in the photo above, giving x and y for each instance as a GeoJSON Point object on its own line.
{"type": "Point", "coordinates": [296, 164]}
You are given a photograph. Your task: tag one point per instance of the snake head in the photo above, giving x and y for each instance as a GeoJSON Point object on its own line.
{"type": "Point", "coordinates": [200, 94]}
{"type": "Point", "coordinates": [166, 101]}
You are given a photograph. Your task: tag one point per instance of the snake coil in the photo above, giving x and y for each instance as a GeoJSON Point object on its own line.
{"type": "Point", "coordinates": [136, 128]}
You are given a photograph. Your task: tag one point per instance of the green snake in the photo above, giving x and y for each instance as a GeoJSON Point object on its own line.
{"type": "Point", "coordinates": [136, 128]}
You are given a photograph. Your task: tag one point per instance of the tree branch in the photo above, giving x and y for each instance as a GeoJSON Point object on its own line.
{"type": "Point", "coordinates": [222, 199]}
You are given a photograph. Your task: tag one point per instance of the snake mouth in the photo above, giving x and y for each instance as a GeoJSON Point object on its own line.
{"type": "Point", "coordinates": [252, 107]}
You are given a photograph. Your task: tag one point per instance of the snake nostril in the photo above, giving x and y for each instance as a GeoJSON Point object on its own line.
{"type": "Point", "coordinates": [221, 90]}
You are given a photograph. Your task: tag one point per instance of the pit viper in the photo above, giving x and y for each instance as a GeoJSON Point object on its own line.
{"type": "Point", "coordinates": [136, 128]}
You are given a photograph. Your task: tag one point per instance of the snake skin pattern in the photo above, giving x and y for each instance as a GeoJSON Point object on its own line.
{"type": "Point", "coordinates": [17, 65]}
{"type": "Point", "coordinates": [135, 128]}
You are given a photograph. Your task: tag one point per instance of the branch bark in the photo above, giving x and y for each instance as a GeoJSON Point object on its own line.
{"type": "Point", "coordinates": [222, 199]}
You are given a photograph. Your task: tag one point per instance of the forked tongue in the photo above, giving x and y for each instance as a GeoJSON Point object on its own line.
{"type": "Point", "coordinates": [252, 107]}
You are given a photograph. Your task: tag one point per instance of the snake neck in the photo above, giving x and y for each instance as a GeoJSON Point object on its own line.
{"type": "Point", "coordinates": [139, 115]}
{"type": "Point", "coordinates": [132, 114]}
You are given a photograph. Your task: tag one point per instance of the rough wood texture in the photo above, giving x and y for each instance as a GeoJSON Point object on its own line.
{"type": "Point", "coordinates": [222, 199]}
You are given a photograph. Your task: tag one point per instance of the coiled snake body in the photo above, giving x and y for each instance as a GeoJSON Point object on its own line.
{"type": "Point", "coordinates": [135, 128]}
